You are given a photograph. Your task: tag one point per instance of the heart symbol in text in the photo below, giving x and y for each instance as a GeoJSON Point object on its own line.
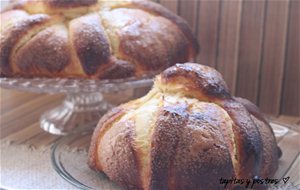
{"type": "Point", "coordinates": [285, 179]}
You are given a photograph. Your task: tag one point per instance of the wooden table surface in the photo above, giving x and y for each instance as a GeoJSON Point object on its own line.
{"type": "Point", "coordinates": [19, 124]}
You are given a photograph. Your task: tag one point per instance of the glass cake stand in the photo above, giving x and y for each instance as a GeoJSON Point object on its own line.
{"type": "Point", "coordinates": [84, 102]}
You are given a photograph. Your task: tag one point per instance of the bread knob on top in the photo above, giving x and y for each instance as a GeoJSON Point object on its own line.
{"type": "Point", "coordinates": [186, 133]}
{"type": "Point", "coordinates": [91, 39]}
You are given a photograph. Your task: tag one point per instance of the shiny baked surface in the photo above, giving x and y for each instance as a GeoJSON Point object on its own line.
{"type": "Point", "coordinates": [186, 133]}
{"type": "Point", "coordinates": [91, 39]}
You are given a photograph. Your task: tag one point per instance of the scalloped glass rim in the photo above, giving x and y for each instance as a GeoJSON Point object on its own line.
{"type": "Point", "coordinates": [62, 85]}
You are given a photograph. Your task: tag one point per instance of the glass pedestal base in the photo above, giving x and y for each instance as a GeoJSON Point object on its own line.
{"type": "Point", "coordinates": [76, 110]}
{"type": "Point", "coordinates": [84, 103]}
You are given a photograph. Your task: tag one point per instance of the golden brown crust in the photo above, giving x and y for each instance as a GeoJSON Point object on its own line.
{"type": "Point", "coordinates": [158, 10]}
{"type": "Point", "coordinates": [251, 108]}
{"type": "Point", "coordinates": [9, 17]}
{"type": "Point", "coordinates": [118, 137]}
{"type": "Point", "coordinates": [207, 84]}
{"type": "Point", "coordinates": [13, 34]}
{"type": "Point", "coordinates": [106, 39]}
{"type": "Point", "coordinates": [14, 4]}
{"type": "Point", "coordinates": [183, 146]}
{"type": "Point", "coordinates": [200, 82]}
{"type": "Point", "coordinates": [169, 124]}
{"type": "Point", "coordinates": [69, 4]}
{"type": "Point", "coordinates": [121, 163]}
{"type": "Point", "coordinates": [51, 56]}
{"type": "Point", "coordinates": [139, 38]}
{"type": "Point", "coordinates": [200, 134]}
{"type": "Point", "coordinates": [102, 126]}
{"type": "Point", "coordinates": [118, 69]}
{"type": "Point", "coordinates": [90, 43]}
{"type": "Point", "coordinates": [66, 7]}
{"type": "Point", "coordinates": [270, 150]}
{"type": "Point", "coordinates": [247, 138]}
{"type": "Point", "coordinates": [181, 23]}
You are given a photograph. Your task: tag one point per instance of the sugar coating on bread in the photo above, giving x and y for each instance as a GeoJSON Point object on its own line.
{"type": "Point", "coordinates": [91, 39]}
{"type": "Point", "coordinates": [186, 133]}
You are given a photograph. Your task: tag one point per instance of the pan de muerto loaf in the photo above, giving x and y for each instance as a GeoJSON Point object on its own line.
{"type": "Point", "coordinates": [91, 39]}
{"type": "Point", "coordinates": [186, 133]}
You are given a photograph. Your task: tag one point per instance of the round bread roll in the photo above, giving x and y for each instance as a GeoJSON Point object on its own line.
{"type": "Point", "coordinates": [188, 132]}
{"type": "Point", "coordinates": [99, 39]}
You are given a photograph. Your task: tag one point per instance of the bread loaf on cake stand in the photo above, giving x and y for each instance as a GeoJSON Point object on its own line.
{"type": "Point", "coordinates": [80, 47]}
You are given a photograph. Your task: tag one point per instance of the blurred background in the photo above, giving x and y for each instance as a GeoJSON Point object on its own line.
{"type": "Point", "coordinates": [254, 44]}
